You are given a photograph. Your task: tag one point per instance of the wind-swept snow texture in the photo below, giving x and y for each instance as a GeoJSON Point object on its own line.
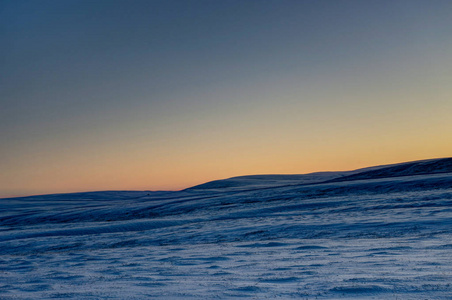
{"type": "Point", "coordinates": [382, 235]}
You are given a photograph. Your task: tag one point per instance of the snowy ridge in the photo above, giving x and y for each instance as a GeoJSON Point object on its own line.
{"type": "Point", "coordinates": [431, 166]}
{"type": "Point", "coordinates": [296, 236]}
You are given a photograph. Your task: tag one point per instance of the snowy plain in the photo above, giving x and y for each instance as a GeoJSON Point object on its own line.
{"type": "Point", "coordinates": [378, 233]}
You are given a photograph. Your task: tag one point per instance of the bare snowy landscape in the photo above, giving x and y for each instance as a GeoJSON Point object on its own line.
{"type": "Point", "coordinates": [377, 233]}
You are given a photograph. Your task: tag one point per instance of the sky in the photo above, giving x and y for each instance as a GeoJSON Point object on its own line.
{"type": "Point", "coordinates": [164, 95]}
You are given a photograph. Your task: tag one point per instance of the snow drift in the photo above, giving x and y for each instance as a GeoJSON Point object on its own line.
{"type": "Point", "coordinates": [381, 232]}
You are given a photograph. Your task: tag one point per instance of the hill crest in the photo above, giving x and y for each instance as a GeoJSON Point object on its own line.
{"type": "Point", "coordinates": [420, 167]}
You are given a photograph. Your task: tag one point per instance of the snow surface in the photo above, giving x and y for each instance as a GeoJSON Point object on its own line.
{"type": "Point", "coordinates": [373, 238]}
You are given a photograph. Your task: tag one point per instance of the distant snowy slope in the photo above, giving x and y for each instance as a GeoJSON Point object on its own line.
{"type": "Point", "coordinates": [259, 181]}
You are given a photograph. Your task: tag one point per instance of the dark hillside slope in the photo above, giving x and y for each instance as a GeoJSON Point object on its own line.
{"type": "Point", "coordinates": [434, 166]}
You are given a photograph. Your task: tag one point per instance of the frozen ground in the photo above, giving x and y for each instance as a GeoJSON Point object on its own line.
{"type": "Point", "coordinates": [357, 236]}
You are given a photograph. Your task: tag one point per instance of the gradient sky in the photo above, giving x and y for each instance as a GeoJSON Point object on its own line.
{"type": "Point", "coordinates": [152, 95]}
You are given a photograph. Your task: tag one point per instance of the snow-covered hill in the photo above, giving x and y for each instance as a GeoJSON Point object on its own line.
{"type": "Point", "coordinates": [378, 233]}
{"type": "Point", "coordinates": [431, 166]}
